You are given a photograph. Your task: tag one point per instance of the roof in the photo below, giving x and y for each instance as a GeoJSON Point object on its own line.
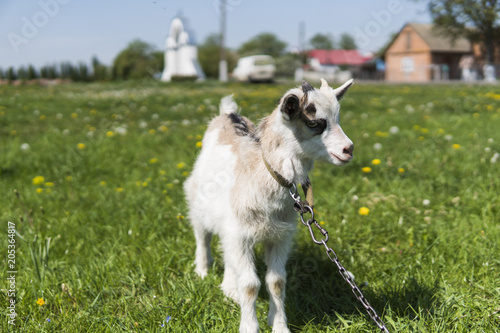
{"type": "Point", "coordinates": [436, 41]}
{"type": "Point", "coordinates": [439, 42]}
{"type": "Point", "coordinates": [338, 57]}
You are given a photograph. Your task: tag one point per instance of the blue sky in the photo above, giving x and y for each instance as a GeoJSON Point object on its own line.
{"type": "Point", "coordinates": [43, 32]}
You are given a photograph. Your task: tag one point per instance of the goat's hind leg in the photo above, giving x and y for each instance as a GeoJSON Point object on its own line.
{"type": "Point", "coordinates": [203, 259]}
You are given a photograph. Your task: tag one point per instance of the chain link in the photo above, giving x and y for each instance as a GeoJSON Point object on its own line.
{"type": "Point", "coordinates": [302, 207]}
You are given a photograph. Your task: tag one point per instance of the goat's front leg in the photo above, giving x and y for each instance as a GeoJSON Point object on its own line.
{"type": "Point", "coordinates": [239, 256]}
{"type": "Point", "coordinates": [276, 257]}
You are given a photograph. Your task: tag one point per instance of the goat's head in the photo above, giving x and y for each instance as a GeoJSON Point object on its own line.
{"type": "Point", "coordinates": [313, 117]}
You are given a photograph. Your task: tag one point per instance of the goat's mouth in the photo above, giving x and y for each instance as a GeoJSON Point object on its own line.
{"type": "Point", "coordinates": [342, 160]}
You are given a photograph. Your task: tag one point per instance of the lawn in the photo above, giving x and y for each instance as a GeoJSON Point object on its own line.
{"type": "Point", "coordinates": [91, 180]}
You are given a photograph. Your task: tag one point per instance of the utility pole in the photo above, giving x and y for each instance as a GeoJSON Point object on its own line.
{"type": "Point", "coordinates": [223, 56]}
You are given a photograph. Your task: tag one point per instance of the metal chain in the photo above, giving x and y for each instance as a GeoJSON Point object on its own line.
{"type": "Point", "coordinates": [302, 207]}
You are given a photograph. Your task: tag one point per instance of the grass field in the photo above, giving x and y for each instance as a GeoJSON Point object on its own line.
{"type": "Point", "coordinates": [102, 245]}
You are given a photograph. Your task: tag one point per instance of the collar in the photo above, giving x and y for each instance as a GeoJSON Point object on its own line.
{"type": "Point", "coordinates": [306, 186]}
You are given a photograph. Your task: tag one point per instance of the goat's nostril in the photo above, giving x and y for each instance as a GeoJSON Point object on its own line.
{"type": "Point", "coordinates": [348, 150]}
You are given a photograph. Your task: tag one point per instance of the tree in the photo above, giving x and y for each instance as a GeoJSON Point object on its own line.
{"type": "Point", "coordinates": [136, 61]}
{"type": "Point", "coordinates": [209, 54]}
{"type": "Point", "coordinates": [32, 73]}
{"type": "Point", "coordinates": [322, 42]}
{"type": "Point", "coordinates": [264, 43]}
{"type": "Point", "coordinates": [11, 74]}
{"type": "Point", "coordinates": [99, 70]}
{"type": "Point", "coordinates": [347, 42]}
{"type": "Point", "coordinates": [477, 20]}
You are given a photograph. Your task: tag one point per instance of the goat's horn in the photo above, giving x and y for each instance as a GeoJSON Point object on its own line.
{"type": "Point", "coordinates": [306, 87]}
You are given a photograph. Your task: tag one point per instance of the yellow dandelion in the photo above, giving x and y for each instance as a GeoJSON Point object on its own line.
{"type": "Point", "coordinates": [416, 127]}
{"type": "Point", "coordinates": [119, 189]}
{"type": "Point", "coordinates": [93, 112]}
{"type": "Point", "coordinates": [38, 180]}
{"type": "Point", "coordinates": [144, 184]}
{"type": "Point", "coordinates": [110, 134]}
{"type": "Point", "coordinates": [198, 144]}
{"type": "Point", "coordinates": [69, 178]}
{"type": "Point", "coordinates": [198, 137]}
{"type": "Point", "coordinates": [152, 131]}
{"type": "Point", "coordinates": [40, 302]}
{"type": "Point", "coordinates": [39, 190]}
{"type": "Point", "coordinates": [181, 165]}
{"type": "Point", "coordinates": [42, 117]}
{"type": "Point", "coordinates": [456, 146]}
{"type": "Point", "coordinates": [102, 183]}
{"type": "Point", "coordinates": [424, 130]}
{"type": "Point", "coordinates": [74, 115]}
{"type": "Point", "coordinates": [180, 216]}
{"type": "Point", "coordinates": [401, 170]}
{"type": "Point", "coordinates": [364, 211]}
{"type": "Point", "coordinates": [163, 128]}
{"type": "Point", "coordinates": [49, 184]}
{"type": "Point", "coordinates": [322, 222]}
{"type": "Point", "coordinates": [376, 161]}
{"type": "Point", "coordinates": [366, 169]}
{"type": "Point", "coordinates": [185, 174]}
{"type": "Point", "coordinates": [153, 160]}
{"type": "Point", "coordinates": [80, 146]}
{"type": "Point", "coordinates": [421, 138]}
{"type": "Point", "coordinates": [13, 132]}
{"type": "Point", "coordinates": [163, 172]}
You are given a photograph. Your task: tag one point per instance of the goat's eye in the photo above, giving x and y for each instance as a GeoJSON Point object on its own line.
{"type": "Point", "coordinates": [312, 124]}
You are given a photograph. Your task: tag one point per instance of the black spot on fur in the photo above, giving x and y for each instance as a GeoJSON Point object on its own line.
{"type": "Point", "coordinates": [311, 110]}
{"type": "Point", "coordinates": [241, 127]}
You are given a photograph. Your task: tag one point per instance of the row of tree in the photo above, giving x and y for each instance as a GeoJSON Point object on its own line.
{"type": "Point", "coordinates": [140, 59]}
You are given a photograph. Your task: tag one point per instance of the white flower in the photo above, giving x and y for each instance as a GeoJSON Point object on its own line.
{"type": "Point", "coordinates": [65, 131]}
{"type": "Point", "coordinates": [448, 137]}
{"type": "Point", "coordinates": [36, 112]}
{"type": "Point", "coordinates": [59, 116]}
{"type": "Point", "coordinates": [394, 130]}
{"type": "Point", "coordinates": [426, 202]}
{"type": "Point", "coordinates": [143, 124]}
{"type": "Point", "coordinates": [409, 108]}
{"type": "Point", "coordinates": [377, 146]}
{"type": "Point", "coordinates": [121, 130]}
{"type": "Point", "coordinates": [494, 159]}
{"type": "Point", "coordinates": [155, 116]}
{"type": "Point", "coordinates": [25, 146]}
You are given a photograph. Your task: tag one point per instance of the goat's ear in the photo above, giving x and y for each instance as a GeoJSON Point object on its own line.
{"type": "Point", "coordinates": [290, 106]}
{"type": "Point", "coordinates": [340, 91]}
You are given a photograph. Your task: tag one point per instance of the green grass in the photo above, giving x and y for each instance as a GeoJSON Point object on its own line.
{"type": "Point", "coordinates": [103, 238]}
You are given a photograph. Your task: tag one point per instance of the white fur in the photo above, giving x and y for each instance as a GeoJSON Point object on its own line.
{"type": "Point", "coordinates": [231, 193]}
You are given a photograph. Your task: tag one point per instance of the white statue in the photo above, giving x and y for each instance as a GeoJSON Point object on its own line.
{"type": "Point", "coordinates": [181, 56]}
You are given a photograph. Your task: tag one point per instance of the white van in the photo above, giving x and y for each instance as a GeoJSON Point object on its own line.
{"type": "Point", "coordinates": [255, 68]}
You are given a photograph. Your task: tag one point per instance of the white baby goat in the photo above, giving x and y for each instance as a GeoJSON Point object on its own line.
{"type": "Point", "coordinates": [233, 194]}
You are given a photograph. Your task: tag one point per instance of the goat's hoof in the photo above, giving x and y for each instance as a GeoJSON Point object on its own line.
{"type": "Point", "coordinates": [201, 272]}
{"type": "Point", "coordinates": [282, 328]}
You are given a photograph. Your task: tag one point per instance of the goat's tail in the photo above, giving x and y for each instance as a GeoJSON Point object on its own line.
{"type": "Point", "coordinates": [228, 105]}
